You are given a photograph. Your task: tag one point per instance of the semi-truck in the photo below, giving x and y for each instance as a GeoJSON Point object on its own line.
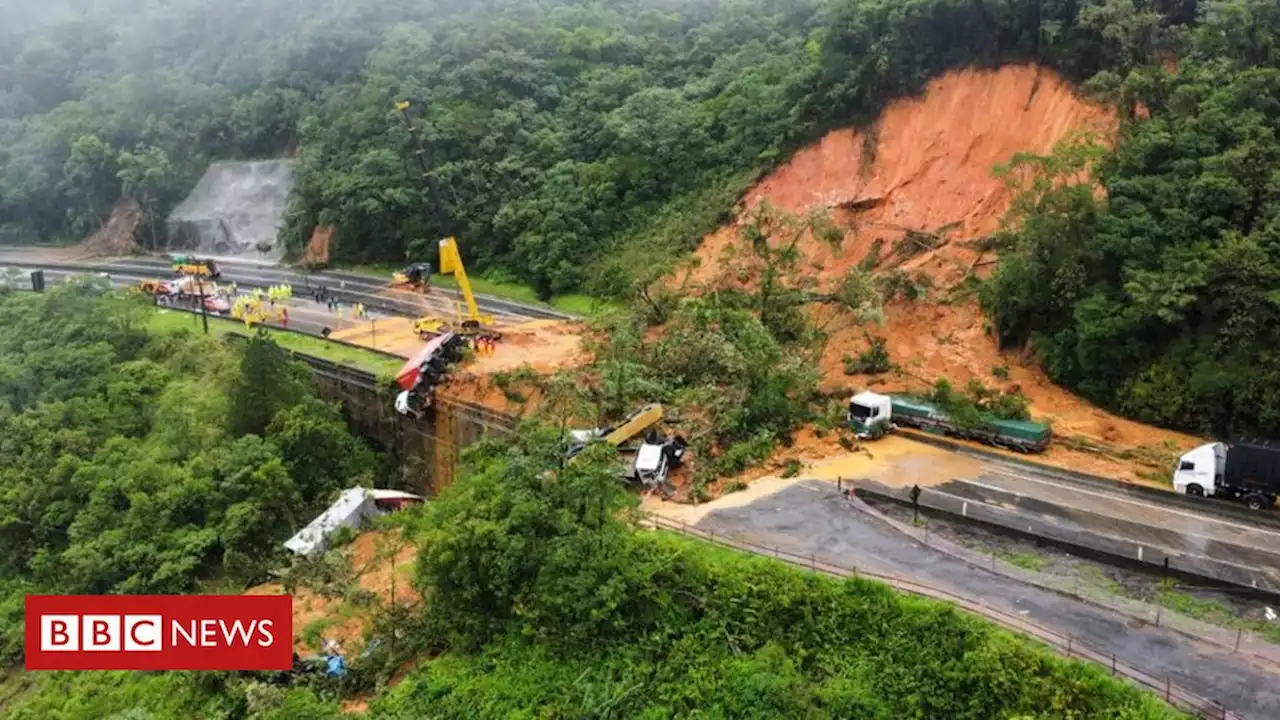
{"type": "Point", "coordinates": [1246, 470]}
{"type": "Point", "coordinates": [872, 414]}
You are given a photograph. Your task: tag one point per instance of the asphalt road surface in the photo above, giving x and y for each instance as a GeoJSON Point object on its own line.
{"type": "Point", "coordinates": [811, 517]}
{"type": "Point", "coordinates": [305, 315]}
{"type": "Point", "coordinates": [1133, 509]}
{"type": "Point", "coordinates": [373, 291]}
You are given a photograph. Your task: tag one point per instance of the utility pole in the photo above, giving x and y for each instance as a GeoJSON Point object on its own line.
{"type": "Point", "coordinates": [204, 313]}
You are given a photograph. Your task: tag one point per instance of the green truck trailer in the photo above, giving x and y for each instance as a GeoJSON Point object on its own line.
{"type": "Point", "coordinates": [872, 414]}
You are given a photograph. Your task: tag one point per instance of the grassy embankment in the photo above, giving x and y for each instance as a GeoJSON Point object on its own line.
{"type": "Point", "coordinates": [576, 303]}
{"type": "Point", "coordinates": [382, 366]}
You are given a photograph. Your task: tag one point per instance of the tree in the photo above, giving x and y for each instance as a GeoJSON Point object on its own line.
{"type": "Point", "coordinates": [91, 177]}
{"type": "Point", "coordinates": [268, 382]}
{"type": "Point", "coordinates": [775, 262]}
{"type": "Point", "coordinates": [319, 453]}
{"type": "Point", "coordinates": [525, 537]}
{"type": "Point", "coordinates": [145, 176]}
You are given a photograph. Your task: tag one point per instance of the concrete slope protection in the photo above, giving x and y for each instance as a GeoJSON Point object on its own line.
{"type": "Point", "coordinates": [812, 517]}
{"type": "Point", "coordinates": [236, 210]}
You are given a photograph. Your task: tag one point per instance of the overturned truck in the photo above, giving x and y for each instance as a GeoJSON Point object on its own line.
{"type": "Point", "coordinates": [656, 456]}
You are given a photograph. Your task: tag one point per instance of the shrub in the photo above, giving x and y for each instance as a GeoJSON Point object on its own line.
{"type": "Point", "coordinates": [872, 361]}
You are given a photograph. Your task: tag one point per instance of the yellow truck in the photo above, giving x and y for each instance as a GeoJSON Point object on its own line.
{"type": "Point", "coordinates": [657, 454]}
{"type": "Point", "coordinates": [188, 265]}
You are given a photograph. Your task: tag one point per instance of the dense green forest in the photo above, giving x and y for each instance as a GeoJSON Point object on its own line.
{"type": "Point", "coordinates": [150, 463]}
{"type": "Point", "coordinates": [586, 145]}
{"type": "Point", "coordinates": [571, 142]}
{"type": "Point", "coordinates": [1161, 301]}
{"type": "Point", "coordinates": [542, 598]}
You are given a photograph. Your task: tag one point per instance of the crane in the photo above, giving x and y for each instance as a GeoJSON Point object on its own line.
{"type": "Point", "coordinates": [417, 276]}
{"type": "Point", "coordinates": [469, 322]}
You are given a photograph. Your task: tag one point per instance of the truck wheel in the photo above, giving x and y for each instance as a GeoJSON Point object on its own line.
{"type": "Point", "coordinates": [1195, 490]}
{"type": "Point", "coordinates": [1257, 501]}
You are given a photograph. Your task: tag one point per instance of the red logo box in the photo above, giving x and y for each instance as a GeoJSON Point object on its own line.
{"type": "Point", "coordinates": [159, 632]}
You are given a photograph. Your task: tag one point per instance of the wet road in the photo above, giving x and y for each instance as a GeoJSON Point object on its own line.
{"type": "Point", "coordinates": [811, 517]}
{"type": "Point", "coordinates": [1131, 509]}
{"type": "Point", "coordinates": [305, 315]}
{"type": "Point", "coordinates": [350, 286]}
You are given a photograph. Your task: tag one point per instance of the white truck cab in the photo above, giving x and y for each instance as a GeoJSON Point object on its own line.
{"type": "Point", "coordinates": [867, 409]}
{"type": "Point", "coordinates": [1200, 471]}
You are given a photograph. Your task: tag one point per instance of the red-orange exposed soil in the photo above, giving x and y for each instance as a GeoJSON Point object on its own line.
{"type": "Point", "coordinates": [377, 572]}
{"type": "Point", "coordinates": [926, 166]}
{"type": "Point", "coordinates": [542, 346]}
{"type": "Point", "coordinates": [316, 254]}
{"type": "Point", "coordinates": [520, 401]}
{"type": "Point", "coordinates": [116, 236]}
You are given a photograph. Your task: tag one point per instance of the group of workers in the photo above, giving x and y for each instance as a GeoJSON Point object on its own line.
{"type": "Point", "coordinates": [358, 310]}
{"type": "Point", "coordinates": [276, 292]}
{"type": "Point", "coordinates": [253, 312]}
{"type": "Point", "coordinates": [484, 345]}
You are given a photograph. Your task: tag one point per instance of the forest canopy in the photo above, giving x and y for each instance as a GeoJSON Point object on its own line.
{"type": "Point", "coordinates": [557, 132]}
{"type": "Point", "coordinates": [588, 144]}
{"type": "Point", "coordinates": [140, 462]}
{"type": "Point", "coordinates": [542, 597]}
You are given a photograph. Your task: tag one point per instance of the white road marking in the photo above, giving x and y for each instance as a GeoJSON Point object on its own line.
{"type": "Point", "coordinates": [1121, 498]}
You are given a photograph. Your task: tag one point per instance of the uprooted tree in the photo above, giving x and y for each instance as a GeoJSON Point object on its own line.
{"type": "Point", "coordinates": [777, 272]}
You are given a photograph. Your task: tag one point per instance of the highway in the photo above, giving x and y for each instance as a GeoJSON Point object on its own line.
{"type": "Point", "coordinates": [810, 520]}
{"type": "Point", "coordinates": [304, 315]}
{"type": "Point", "coordinates": [373, 292]}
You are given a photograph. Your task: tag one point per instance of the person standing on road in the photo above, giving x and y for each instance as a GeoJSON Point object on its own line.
{"type": "Point", "coordinates": [284, 318]}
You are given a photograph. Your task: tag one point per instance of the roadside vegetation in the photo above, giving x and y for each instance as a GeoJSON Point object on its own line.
{"type": "Point", "coordinates": [500, 284]}
{"type": "Point", "coordinates": [734, 362]}
{"type": "Point", "coordinates": [137, 461]}
{"type": "Point", "coordinates": [543, 597]}
{"type": "Point", "coordinates": [581, 147]}
{"type": "Point", "coordinates": [173, 321]}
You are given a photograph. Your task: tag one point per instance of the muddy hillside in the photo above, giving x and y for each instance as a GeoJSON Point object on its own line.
{"type": "Point", "coordinates": [917, 191]}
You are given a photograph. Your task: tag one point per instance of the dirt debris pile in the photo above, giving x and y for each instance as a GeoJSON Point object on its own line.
{"type": "Point", "coordinates": [917, 199]}
{"type": "Point", "coordinates": [542, 345]}
{"type": "Point", "coordinates": [115, 238]}
{"type": "Point", "coordinates": [383, 568]}
{"type": "Point", "coordinates": [316, 254]}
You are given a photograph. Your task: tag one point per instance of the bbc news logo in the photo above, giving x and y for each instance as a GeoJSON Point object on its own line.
{"type": "Point", "coordinates": [159, 632]}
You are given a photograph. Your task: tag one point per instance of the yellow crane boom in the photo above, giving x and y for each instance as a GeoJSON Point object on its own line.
{"type": "Point", "coordinates": [634, 424]}
{"type": "Point", "coordinates": [451, 264]}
